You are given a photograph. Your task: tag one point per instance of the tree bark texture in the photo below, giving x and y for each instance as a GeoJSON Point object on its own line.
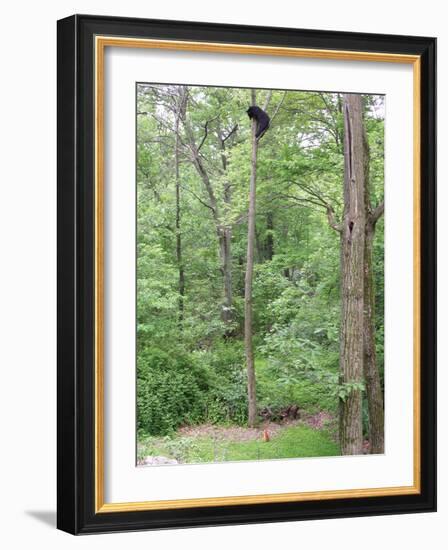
{"type": "Point", "coordinates": [352, 277]}
{"type": "Point", "coordinates": [251, 388]}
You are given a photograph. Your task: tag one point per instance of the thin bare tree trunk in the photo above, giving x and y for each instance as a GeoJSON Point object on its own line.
{"type": "Point", "coordinates": [180, 266]}
{"type": "Point", "coordinates": [225, 236]}
{"type": "Point", "coordinates": [251, 389]}
{"type": "Point", "coordinates": [352, 278]}
{"type": "Point", "coordinates": [226, 245]}
{"type": "Point", "coordinates": [223, 233]}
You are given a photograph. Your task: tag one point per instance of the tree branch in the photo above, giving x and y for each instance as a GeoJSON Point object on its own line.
{"type": "Point", "coordinates": [377, 212]}
{"type": "Point", "coordinates": [308, 189]}
{"type": "Point", "coordinates": [205, 135]}
{"type": "Point", "coordinates": [268, 99]}
{"type": "Point", "coordinates": [302, 199]}
{"type": "Point", "coordinates": [278, 108]}
{"type": "Point", "coordinates": [332, 220]}
{"type": "Point", "coordinates": [198, 198]}
{"type": "Point", "coordinates": [232, 131]}
{"type": "Point", "coordinates": [202, 171]}
{"type": "Point", "coordinates": [317, 200]}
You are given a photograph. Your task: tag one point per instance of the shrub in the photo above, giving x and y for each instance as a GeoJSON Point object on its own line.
{"type": "Point", "coordinates": [181, 389]}
{"type": "Point", "coordinates": [226, 397]}
{"type": "Point", "coordinates": [170, 391]}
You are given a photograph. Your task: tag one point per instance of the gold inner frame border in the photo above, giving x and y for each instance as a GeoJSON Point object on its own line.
{"type": "Point", "coordinates": [101, 42]}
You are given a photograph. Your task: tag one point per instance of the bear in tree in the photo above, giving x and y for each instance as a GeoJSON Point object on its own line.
{"type": "Point", "coordinates": [262, 119]}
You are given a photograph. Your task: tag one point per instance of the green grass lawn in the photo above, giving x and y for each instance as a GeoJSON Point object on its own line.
{"type": "Point", "coordinates": [292, 442]}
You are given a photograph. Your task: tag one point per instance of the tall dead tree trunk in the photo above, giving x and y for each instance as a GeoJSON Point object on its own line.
{"type": "Point", "coordinates": [352, 278]}
{"type": "Point", "coordinates": [357, 230]}
{"type": "Point", "coordinates": [251, 389]}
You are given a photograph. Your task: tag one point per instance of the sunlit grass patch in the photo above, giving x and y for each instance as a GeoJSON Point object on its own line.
{"type": "Point", "coordinates": [291, 442]}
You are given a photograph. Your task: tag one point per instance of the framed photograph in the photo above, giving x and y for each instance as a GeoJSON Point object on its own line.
{"type": "Point", "coordinates": [246, 274]}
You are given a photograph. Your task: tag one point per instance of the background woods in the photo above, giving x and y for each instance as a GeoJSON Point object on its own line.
{"type": "Point", "coordinates": [260, 274]}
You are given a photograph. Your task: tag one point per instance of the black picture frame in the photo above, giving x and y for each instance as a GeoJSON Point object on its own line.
{"type": "Point", "coordinates": [76, 256]}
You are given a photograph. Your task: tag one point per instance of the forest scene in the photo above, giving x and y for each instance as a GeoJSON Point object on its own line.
{"type": "Point", "coordinates": [260, 274]}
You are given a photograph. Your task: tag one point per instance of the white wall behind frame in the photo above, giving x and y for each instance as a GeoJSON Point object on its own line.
{"type": "Point", "coordinates": [28, 274]}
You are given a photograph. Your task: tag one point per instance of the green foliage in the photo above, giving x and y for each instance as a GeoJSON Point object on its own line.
{"type": "Point", "coordinates": [227, 395]}
{"type": "Point", "coordinates": [174, 389]}
{"type": "Point", "coordinates": [170, 391]}
{"type": "Point", "coordinates": [191, 364]}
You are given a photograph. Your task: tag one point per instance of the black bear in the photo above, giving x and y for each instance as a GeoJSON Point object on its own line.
{"type": "Point", "coordinates": [262, 119]}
